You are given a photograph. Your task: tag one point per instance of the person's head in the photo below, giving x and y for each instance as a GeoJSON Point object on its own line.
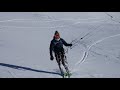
{"type": "Point", "coordinates": [57, 35]}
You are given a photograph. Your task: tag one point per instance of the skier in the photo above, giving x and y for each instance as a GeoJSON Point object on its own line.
{"type": "Point", "coordinates": [56, 46]}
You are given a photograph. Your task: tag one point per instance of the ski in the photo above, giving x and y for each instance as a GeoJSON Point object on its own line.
{"type": "Point", "coordinates": [67, 75]}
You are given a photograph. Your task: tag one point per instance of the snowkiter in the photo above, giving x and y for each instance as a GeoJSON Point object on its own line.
{"type": "Point", "coordinates": [56, 46]}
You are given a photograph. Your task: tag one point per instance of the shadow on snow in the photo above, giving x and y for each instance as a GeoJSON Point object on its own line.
{"type": "Point", "coordinates": [27, 68]}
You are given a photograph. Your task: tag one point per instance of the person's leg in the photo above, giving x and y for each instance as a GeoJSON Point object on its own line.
{"type": "Point", "coordinates": [64, 62]}
{"type": "Point", "coordinates": [58, 61]}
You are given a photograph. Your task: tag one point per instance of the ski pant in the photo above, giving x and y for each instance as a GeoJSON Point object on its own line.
{"type": "Point", "coordinates": [61, 58]}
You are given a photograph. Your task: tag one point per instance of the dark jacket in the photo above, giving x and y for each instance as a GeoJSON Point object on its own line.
{"type": "Point", "coordinates": [57, 46]}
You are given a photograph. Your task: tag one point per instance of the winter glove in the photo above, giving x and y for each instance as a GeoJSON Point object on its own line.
{"type": "Point", "coordinates": [51, 58]}
{"type": "Point", "coordinates": [70, 45]}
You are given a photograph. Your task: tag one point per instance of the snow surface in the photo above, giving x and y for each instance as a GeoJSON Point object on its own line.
{"type": "Point", "coordinates": [25, 38]}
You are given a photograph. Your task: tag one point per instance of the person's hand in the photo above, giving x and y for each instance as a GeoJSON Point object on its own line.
{"type": "Point", "coordinates": [70, 45]}
{"type": "Point", "coordinates": [51, 58]}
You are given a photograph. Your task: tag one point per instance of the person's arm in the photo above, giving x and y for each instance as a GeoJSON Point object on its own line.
{"type": "Point", "coordinates": [65, 43]}
{"type": "Point", "coordinates": [51, 49]}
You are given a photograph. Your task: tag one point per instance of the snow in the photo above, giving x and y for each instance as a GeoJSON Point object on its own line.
{"type": "Point", "coordinates": [25, 38]}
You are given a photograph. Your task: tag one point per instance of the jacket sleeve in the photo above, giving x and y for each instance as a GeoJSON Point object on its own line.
{"type": "Point", "coordinates": [65, 43]}
{"type": "Point", "coordinates": [51, 48]}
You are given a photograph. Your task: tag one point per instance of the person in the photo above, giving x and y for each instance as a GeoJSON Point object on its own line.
{"type": "Point", "coordinates": [56, 46]}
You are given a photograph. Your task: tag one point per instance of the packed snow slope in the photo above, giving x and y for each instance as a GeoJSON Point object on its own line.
{"type": "Point", "coordinates": [25, 38]}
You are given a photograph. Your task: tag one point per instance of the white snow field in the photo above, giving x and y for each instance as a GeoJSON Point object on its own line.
{"type": "Point", "coordinates": [25, 38]}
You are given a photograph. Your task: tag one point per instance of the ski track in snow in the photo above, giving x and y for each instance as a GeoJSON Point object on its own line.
{"type": "Point", "coordinates": [85, 55]}
{"type": "Point", "coordinates": [50, 21]}
{"type": "Point", "coordinates": [33, 20]}
{"type": "Point", "coordinates": [13, 75]}
{"type": "Point", "coordinates": [50, 27]}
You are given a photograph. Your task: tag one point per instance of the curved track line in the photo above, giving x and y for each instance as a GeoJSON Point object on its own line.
{"type": "Point", "coordinates": [85, 55]}
{"type": "Point", "coordinates": [87, 51]}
